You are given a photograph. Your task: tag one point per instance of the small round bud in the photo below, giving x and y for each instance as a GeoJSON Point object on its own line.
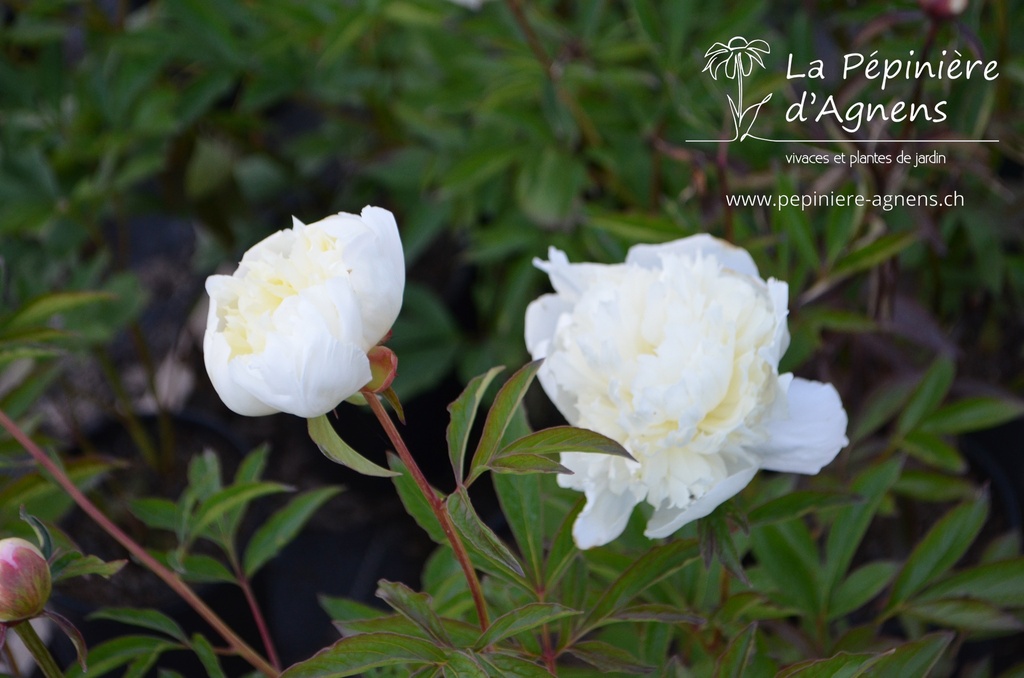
{"type": "Point", "coordinates": [943, 9]}
{"type": "Point", "coordinates": [383, 367]}
{"type": "Point", "coordinates": [24, 580]}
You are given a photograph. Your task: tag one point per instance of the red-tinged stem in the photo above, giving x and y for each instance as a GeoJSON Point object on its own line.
{"type": "Point", "coordinates": [169, 577]}
{"type": "Point", "coordinates": [435, 505]}
{"type": "Point", "coordinates": [261, 622]}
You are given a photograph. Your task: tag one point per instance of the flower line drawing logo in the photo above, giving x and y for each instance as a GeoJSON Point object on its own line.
{"type": "Point", "coordinates": [736, 60]}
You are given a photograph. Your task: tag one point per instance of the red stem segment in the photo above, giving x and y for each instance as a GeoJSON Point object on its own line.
{"type": "Point", "coordinates": [436, 505]}
{"type": "Point", "coordinates": [169, 577]}
{"type": "Point", "coordinates": [257, 615]}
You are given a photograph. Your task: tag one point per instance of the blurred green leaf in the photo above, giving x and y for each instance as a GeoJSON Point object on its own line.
{"type": "Point", "coordinates": [916, 658]}
{"type": "Point", "coordinates": [608, 658]}
{"type": "Point", "coordinates": [240, 494]}
{"type": "Point", "coordinates": [928, 395]}
{"type": "Point", "coordinates": [152, 620]}
{"type": "Point", "coordinates": [735, 660]}
{"type": "Point", "coordinates": [207, 655]}
{"type": "Point", "coordinates": [934, 451]}
{"type": "Point", "coordinates": [861, 587]}
{"type": "Point", "coordinates": [74, 564]}
{"type": "Point", "coordinates": [282, 527]}
{"type": "Point", "coordinates": [999, 583]}
{"type": "Point", "coordinates": [522, 619]}
{"type": "Point", "coordinates": [796, 504]}
{"type": "Point", "coordinates": [842, 665]}
{"type": "Point", "coordinates": [414, 502]}
{"type": "Point", "coordinates": [351, 656]}
{"type": "Point", "coordinates": [338, 451]}
{"type": "Point", "coordinates": [967, 614]}
{"type": "Point", "coordinates": [972, 414]}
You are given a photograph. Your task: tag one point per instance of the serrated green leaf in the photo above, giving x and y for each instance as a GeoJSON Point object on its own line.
{"type": "Point", "coordinates": [939, 550]}
{"type": "Point", "coordinates": [797, 504]}
{"type": "Point", "coordinates": [916, 658]}
{"type": "Point", "coordinates": [861, 587]}
{"type": "Point", "coordinates": [351, 656]}
{"type": "Point", "coordinates": [152, 620]}
{"type": "Point", "coordinates": [525, 464]}
{"type": "Point", "coordinates": [415, 607]}
{"type": "Point", "coordinates": [506, 404]}
{"type": "Point", "coordinates": [282, 527]}
{"type": "Point", "coordinates": [527, 617]}
{"type": "Point", "coordinates": [463, 413]}
{"type": "Point", "coordinates": [480, 538]}
{"type": "Point", "coordinates": [928, 395]}
{"type": "Point", "coordinates": [608, 658]}
{"type": "Point", "coordinates": [415, 503]}
{"type": "Point", "coordinates": [972, 414]}
{"type": "Point", "coordinates": [338, 451]}
{"type": "Point", "coordinates": [658, 563]}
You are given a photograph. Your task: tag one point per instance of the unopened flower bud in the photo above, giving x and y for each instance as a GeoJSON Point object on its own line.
{"type": "Point", "coordinates": [383, 368]}
{"type": "Point", "coordinates": [24, 580]}
{"type": "Point", "coordinates": [943, 9]}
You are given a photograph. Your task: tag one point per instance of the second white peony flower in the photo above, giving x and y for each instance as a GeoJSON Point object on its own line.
{"type": "Point", "coordinates": [675, 354]}
{"type": "Point", "coordinates": [289, 331]}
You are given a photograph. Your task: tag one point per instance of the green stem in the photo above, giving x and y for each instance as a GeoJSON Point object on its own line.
{"type": "Point", "coordinates": [140, 554]}
{"type": "Point", "coordinates": [435, 505]}
{"type": "Point", "coordinates": [39, 651]}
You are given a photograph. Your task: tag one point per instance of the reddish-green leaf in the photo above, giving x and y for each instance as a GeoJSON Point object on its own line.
{"type": "Point", "coordinates": [523, 464]}
{"type": "Point", "coordinates": [463, 414]}
{"type": "Point", "coordinates": [608, 658]}
{"type": "Point", "coordinates": [480, 539]}
{"type": "Point", "coordinates": [413, 606]}
{"type": "Point", "coordinates": [527, 617]}
{"type": "Point", "coordinates": [506, 404]}
{"type": "Point", "coordinates": [356, 654]}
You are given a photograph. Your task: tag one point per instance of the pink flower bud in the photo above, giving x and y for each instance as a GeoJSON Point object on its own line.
{"type": "Point", "coordinates": [383, 368]}
{"type": "Point", "coordinates": [943, 9]}
{"type": "Point", "coordinates": [24, 580]}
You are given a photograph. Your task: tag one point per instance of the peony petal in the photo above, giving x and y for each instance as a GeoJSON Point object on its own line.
{"type": "Point", "coordinates": [813, 433]}
{"type": "Point", "coordinates": [667, 520]}
{"type": "Point", "coordinates": [216, 356]}
{"type": "Point", "coordinates": [541, 320]}
{"type": "Point", "coordinates": [569, 279]}
{"type": "Point", "coordinates": [603, 518]}
{"type": "Point", "coordinates": [730, 256]}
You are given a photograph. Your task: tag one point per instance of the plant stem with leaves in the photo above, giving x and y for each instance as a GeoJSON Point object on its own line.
{"type": "Point", "coordinates": [436, 505]}
{"type": "Point", "coordinates": [169, 577]}
{"type": "Point", "coordinates": [35, 645]}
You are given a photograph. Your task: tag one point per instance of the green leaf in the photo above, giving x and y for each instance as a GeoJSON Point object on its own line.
{"type": "Point", "coordinates": [934, 451]}
{"type": "Point", "coordinates": [733, 663]}
{"type": "Point", "coordinates": [463, 414]}
{"type": "Point", "coordinates": [118, 652]}
{"type": "Point", "coordinates": [345, 609]}
{"type": "Point", "coordinates": [1000, 583]}
{"type": "Point", "coordinates": [510, 666]}
{"type": "Point", "coordinates": [789, 556]}
{"type": "Point", "coordinates": [842, 665]}
{"type": "Point", "coordinates": [351, 656]}
{"type": "Point", "coordinates": [480, 538]}
{"type": "Point", "coordinates": [463, 665]}
{"type": "Point", "coordinates": [881, 405]}
{"type": "Point", "coordinates": [74, 564]}
{"type": "Point", "coordinates": [338, 451]}
{"type": "Point", "coordinates": [972, 414]}
{"type": "Point", "coordinates": [199, 569]}
{"type": "Point", "coordinates": [40, 309]}
{"type": "Point", "coordinates": [658, 563]}
{"type": "Point", "coordinates": [506, 404]}
{"type": "Point", "coordinates": [861, 587]}
{"type": "Point", "coordinates": [526, 464]}
{"type": "Point", "coordinates": [852, 522]}
{"type": "Point", "coordinates": [42, 532]}
{"type": "Point", "coordinates": [928, 395]}
{"type": "Point", "coordinates": [414, 502]}
{"type": "Point", "coordinates": [527, 617]}
{"type": "Point", "coordinates": [73, 634]}
{"type": "Point", "coordinates": [565, 439]}
{"type": "Point", "coordinates": [916, 658]}
{"type": "Point", "coordinates": [797, 504]}
{"type": "Point", "coordinates": [608, 658]}
{"type": "Point", "coordinates": [520, 500]}
{"type": "Point", "coordinates": [161, 514]}
{"type": "Point", "coordinates": [208, 656]}
{"type": "Point", "coordinates": [282, 527]}
{"type": "Point", "coordinates": [415, 607]}
{"type": "Point", "coordinates": [873, 254]}
{"type": "Point", "coordinates": [147, 619]}
{"type": "Point", "coordinates": [939, 550]}
{"type": "Point", "coordinates": [932, 486]}
{"type": "Point", "coordinates": [656, 612]}
{"type": "Point", "coordinates": [218, 504]}
{"type": "Point", "coordinates": [963, 613]}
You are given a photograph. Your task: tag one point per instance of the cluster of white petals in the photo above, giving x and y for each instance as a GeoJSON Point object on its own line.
{"type": "Point", "coordinates": [675, 354]}
{"type": "Point", "coordinates": [290, 329]}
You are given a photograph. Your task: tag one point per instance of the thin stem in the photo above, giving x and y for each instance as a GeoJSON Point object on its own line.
{"type": "Point", "coordinates": [169, 577]}
{"type": "Point", "coordinates": [39, 651]}
{"type": "Point", "coordinates": [435, 505]}
{"type": "Point", "coordinates": [257, 615]}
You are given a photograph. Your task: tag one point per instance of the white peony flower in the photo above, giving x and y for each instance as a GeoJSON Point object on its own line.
{"type": "Point", "coordinates": [675, 354]}
{"type": "Point", "coordinates": [290, 329]}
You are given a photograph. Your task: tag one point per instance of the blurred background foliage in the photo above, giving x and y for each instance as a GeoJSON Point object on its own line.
{"type": "Point", "coordinates": [494, 133]}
